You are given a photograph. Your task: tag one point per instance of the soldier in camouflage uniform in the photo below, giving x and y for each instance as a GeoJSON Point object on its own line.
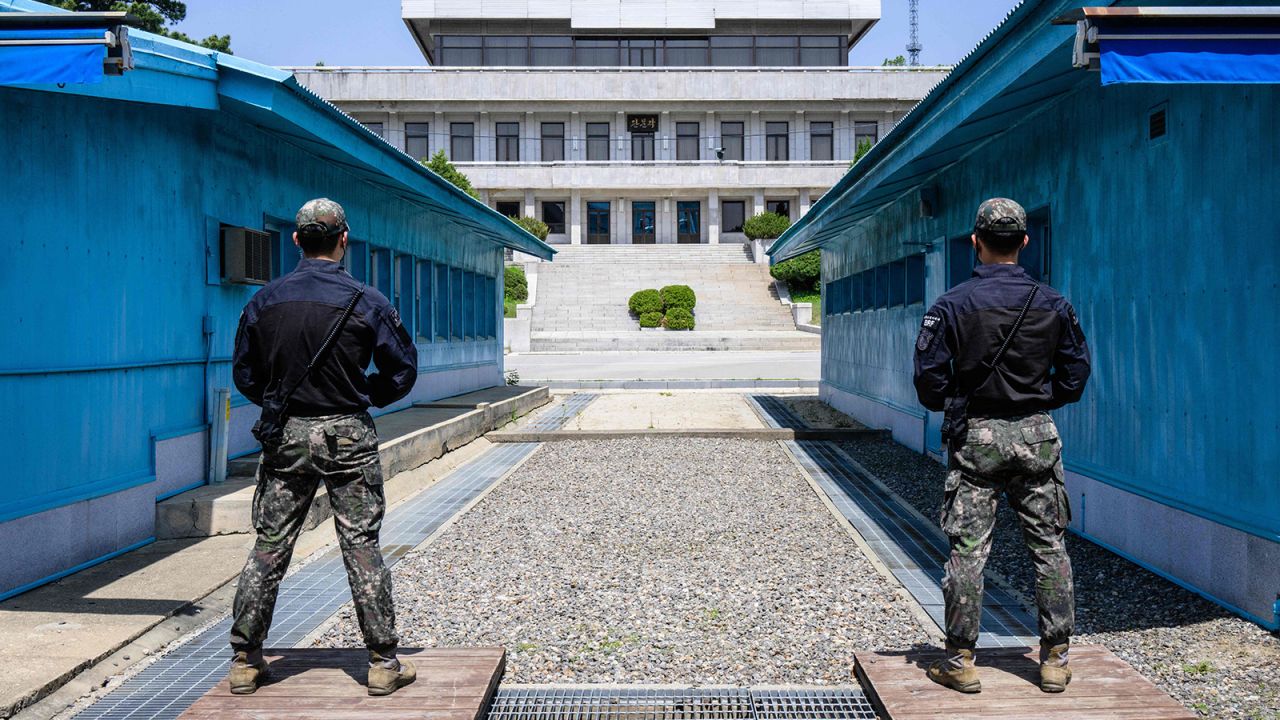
{"type": "Point", "coordinates": [328, 438]}
{"type": "Point", "coordinates": [1011, 445]}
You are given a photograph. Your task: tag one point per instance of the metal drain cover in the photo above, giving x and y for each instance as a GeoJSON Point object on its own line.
{"type": "Point", "coordinates": [531, 702]}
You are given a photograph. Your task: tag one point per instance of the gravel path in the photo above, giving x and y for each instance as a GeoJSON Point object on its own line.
{"type": "Point", "coordinates": [690, 561]}
{"type": "Point", "coordinates": [1210, 660]}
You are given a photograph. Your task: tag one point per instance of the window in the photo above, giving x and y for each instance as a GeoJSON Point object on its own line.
{"type": "Point", "coordinates": [641, 146]}
{"type": "Point", "coordinates": [598, 223]}
{"type": "Point", "coordinates": [416, 135]}
{"type": "Point", "coordinates": [868, 289]}
{"type": "Point", "coordinates": [507, 142]}
{"type": "Point", "coordinates": [731, 51]}
{"type": "Point", "coordinates": [960, 260]}
{"type": "Point", "coordinates": [776, 147]}
{"type": "Point", "coordinates": [598, 141]}
{"type": "Point", "coordinates": [457, 305]}
{"type": "Point", "coordinates": [898, 283]}
{"type": "Point", "coordinates": [377, 127]}
{"type": "Point", "coordinates": [509, 209]}
{"type": "Point", "coordinates": [551, 51]}
{"type": "Point", "coordinates": [425, 288]}
{"type": "Point", "coordinates": [865, 134]}
{"type": "Point", "coordinates": [593, 51]}
{"type": "Point", "coordinates": [731, 140]}
{"type": "Point", "coordinates": [821, 51]}
{"type": "Point", "coordinates": [687, 141]}
{"type": "Point", "coordinates": [732, 214]}
{"type": "Point", "coordinates": [882, 286]}
{"type": "Point", "coordinates": [1035, 256]}
{"type": "Point", "coordinates": [380, 270]}
{"type": "Point", "coordinates": [506, 50]}
{"type": "Point", "coordinates": [468, 305]}
{"type": "Point", "coordinates": [552, 142]}
{"type": "Point", "coordinates": [640, 53]}
{"type": "Point", "coordinates": [686, 52]}
{"type": "Point", "coordinates": [643, 222]}
{"type": "Point", "coordinates": [441, 303]}
{"type": "Point", "coordinates": [779, 207]}
{"type": "Point", "coordinates": [462, 142]}
{"type": "Point", "coordinates": [461, 50]}
{"type": "Point", "coordinates": [777, 51]}
{"type": "Point", "coordinates": [405, 293]}
{"type": "Point", "coordinates": [915, 279]}
{"type": "Point", "coordinates": [689, 221]}
{"type": "Point", "coordinates": [356, 260]}
{"type": "Point", "coordinates": [553, 216]}
{"type": "Point", "coordinates": [855, 292]}
{"type": "Point", "coordinates": [820, 141]}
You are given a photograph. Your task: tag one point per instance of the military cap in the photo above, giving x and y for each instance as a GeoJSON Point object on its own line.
{"type": "Point", "coordinates": [321, 217]}
{"type": "Point", "coordinates": [1001, 215]}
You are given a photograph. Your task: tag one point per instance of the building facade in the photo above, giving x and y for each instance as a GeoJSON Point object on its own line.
{"type": "Point", "coordinates": [637, 122]}
{"type": "Point", "coordinates": [1171, 453]}
{"type": "Point", "coordinates": [119, 198]}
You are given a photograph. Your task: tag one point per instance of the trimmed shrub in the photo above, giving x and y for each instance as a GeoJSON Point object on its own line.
{"type": "Point", "coordinates": [678, 319]}
{"type": "Point", "coordinates": [533, 226]}
{"type": "Point", "coordinates": [766, 226]}
{"type": "Point", "coordinates": [800, 273]}
{"type": "Point", "coordinates": [645, 301]}
{"type": "Point", "coordinates": [678, 296]}
{"type": "Point", "coordinates": [651, 320]}
{"type": "Point", "coordinates": [515, 286]}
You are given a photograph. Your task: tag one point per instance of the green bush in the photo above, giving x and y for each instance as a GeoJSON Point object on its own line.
{"type": "Point", "coordinates": [766, 226]}
{"type": "Point", "coordinates": [678, 319]}
{"type": "Point", "coordinates": [508, 308]}
{"type": "Point", "coordinates": [678, 296]}
{"type": "Point", "coordinates": [651, 320]}
{"type": "Point", "coordinates": [533, 226]}
{"type": "Point", "coordinates": [800, 273]}
{"type": "Point", "coordinates": [515, 286]}
{"type": "Point", "coordinates": [645, 301]}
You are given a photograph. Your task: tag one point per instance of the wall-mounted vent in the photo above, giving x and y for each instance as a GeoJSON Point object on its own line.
{"type": "Point", "coordinates": [246, 256]}
{"type": "Point", "coordinates": [1157, 123]}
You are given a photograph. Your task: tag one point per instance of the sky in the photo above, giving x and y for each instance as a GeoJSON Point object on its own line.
{"type": "Point", "coordinates": [370, 32]}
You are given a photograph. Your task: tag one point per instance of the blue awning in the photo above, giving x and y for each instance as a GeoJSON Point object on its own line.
{"type": "Point", "coordinates": [1190, 60]}
{"type": "Point", "coordinates": [52, 55]}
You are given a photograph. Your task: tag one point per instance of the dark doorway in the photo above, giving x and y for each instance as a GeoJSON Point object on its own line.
{"type": "Point", "coordinates": [643, 218]}
{"type": "Point", "coordinates": [598, 223]}
{"type": "Point", "coordinates": [689, 222]}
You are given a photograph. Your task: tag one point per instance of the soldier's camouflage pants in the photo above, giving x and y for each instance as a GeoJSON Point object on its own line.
{"type": "Point", "coordinates": [342, 452]}
{"type": "Point", "coordinates": [1020, 458]}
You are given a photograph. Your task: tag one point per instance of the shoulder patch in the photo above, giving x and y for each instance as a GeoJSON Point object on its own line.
{"type": "Point", "coordinates": [394, 315]}
{"type": "Point", "coordinates": [929, 327]}
{"type": "Point", "coordinates": [1071, 313]}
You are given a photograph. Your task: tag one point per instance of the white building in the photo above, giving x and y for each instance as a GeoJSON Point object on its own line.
{"type": "Point", "coordinates": [636, 121]}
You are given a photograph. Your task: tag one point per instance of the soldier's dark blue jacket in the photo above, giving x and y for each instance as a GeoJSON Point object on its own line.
{"type": "Point", "coordinates": [286, 322]}
{"type": "Point", "coordinates": [1045, 367]}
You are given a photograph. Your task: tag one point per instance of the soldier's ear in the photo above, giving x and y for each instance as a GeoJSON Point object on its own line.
{"type": "Point", "coordinates": [295, 240]}
{"type": "Point", "coordinates": [1025, 239]}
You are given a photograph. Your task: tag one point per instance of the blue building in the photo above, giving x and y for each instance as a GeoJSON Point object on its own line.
{"type": "Point", "coordinates": [1151, 193]}
{"type": "Point", "coordinates": [134, 203]}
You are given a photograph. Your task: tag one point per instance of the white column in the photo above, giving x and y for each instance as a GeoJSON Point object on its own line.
{"type": "Point", "coordinates": [530, 207]}
{"type": "Point", "coordinates": [575, 217]}
{"type": "Point", "coordinates": [755, 140]}
{"type": "Point", "coordinates": [395, 129]}
{"type": "Point", "coordinates": [799, 138]}
{"type": "Point", "coordinates": [666, 130]}
{"type": "Point", "coordinates": [804, 203]}
{"type": "Point", "coordinates": [484, 142]}
{"type": "Point", "coordinates": [440, 133]}
{"type": "Point", "coordinates": [621, 231]}
{"type": "Point", "coordinates": [620, 127]}
{"type": "Point", "coordinates": [576, 132]}
{"type": "Point", "coordinates": [712, 133]}
{"type": "Point", "coordinates": [758, 202]}
{"type": "Point", "coordinates": [665, 230]}
{"type": "Point", "coordinates": [713, 218]}
{"type": "Point", "coordinates": [844, 137]}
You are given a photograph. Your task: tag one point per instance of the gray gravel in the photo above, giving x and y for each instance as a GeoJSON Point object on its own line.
{"type": "Point", "coordinates": [1210, 660]}
{"type": "Point", "coordinates": [689, 561]}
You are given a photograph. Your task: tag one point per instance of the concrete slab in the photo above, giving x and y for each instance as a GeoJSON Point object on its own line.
{"type": "Point", "coordinates": [691, 365]}
{"type": "Point", "coordinates": [666, 411]}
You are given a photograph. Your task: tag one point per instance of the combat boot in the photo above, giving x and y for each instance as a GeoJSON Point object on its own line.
{"type": "Point", "coordinates": [956, 671]}
{"type": "Point", "coordinates": [247, 672]}
{"type": "Point", "coordinates": [385, 680]}
{"type": "Point", "coordinates": [1054, 673]}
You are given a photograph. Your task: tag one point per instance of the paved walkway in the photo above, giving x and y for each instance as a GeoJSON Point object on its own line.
{"type": "Point", "coordinates": [533, 367]}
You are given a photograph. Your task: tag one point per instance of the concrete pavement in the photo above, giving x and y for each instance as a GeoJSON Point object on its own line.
{"type": "Point", "coordinates": [649, 366]}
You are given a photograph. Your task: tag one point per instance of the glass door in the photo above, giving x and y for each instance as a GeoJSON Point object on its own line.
{"type": "Point", "coordinates": [642, 223]}
{"type": "Point", "coordinates": [598, 223]}
{"type": "Point", "coordinates": [689, 222]}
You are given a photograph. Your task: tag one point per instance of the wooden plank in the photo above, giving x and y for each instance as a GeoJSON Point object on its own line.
{"type": "Point", "coordinates": [452, 684]}
{"type": "Point", "coordinates": [1103, 687]}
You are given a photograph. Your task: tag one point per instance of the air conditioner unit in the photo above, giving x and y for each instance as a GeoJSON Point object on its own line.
{"type": "Point", "coordinates": [246, 256]}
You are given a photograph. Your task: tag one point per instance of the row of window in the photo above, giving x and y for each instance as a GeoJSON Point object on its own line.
{"type": "Point", "coordinates": [689, 141]}
{"type": "Point", "coordinates": [565, 51]}
{"type": "Point", "coordinates": [733, 213]}
{"type": "Point", "coordinates": [895, 284]}
{"type": "Point", "coordinates": [436, 301]}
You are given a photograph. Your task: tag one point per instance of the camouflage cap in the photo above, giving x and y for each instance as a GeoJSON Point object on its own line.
{"type": "Point", "coordinates": [1001, 215]}
{"type": "Point", "coordinates": [321, 217]}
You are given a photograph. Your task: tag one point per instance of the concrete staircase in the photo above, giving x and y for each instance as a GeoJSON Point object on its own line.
{"type": "Point", "coordinates": [582, 300]}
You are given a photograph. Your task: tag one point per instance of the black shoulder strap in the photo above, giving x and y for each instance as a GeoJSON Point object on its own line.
{"type": "Point", "coordinates": [324, 346]}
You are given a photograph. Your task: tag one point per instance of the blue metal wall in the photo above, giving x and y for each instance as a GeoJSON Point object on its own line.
{"type": "Point", "coordinates": [108, 208]}
{"type": "Point", "coordinates": [1168, 250]}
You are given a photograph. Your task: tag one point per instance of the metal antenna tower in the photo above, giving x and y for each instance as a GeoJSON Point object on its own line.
{"type": "Point", "coordinates": [913, 44]}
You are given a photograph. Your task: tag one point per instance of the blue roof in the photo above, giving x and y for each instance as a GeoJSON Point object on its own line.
{"type": "Point", "coordinates": [170, 72]}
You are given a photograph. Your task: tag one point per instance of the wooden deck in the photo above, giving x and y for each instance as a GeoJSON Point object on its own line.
{"type": "Point", "coordinates": [452, 684]}
{"type": "Point", "coordinates": [1104, 687]}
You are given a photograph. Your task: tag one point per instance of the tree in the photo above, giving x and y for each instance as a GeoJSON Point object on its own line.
{"type": "Point", "coordinates": [440, 165]}
{"type": "Point", "coordinates": [863, 148]}
{"type": "Point", "coordinates": [766, 226]}
{"type": "Point", "coordinates": [155, 16]}
{"type": "Point", "coordinates": [899, 61]}
{"type": "Point", "coordinates": [533, 226]}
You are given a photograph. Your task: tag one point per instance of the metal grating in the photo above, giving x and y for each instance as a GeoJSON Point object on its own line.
{"type": "Point", "coordinates": [775, 413]}
{"type": "Point", "coordinates": [558, 416]}
{"type": "Point", "coordinates": [677, 703]}
{"type": "Point", "coordinates": [913, 550]}
{"type": "Point", "coordinates": [169, 686]}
